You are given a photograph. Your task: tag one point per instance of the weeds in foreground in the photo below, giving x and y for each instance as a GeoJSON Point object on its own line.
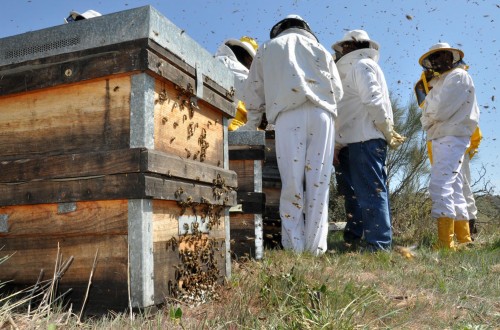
{"type": "Point", "coordinates": [340, 290]}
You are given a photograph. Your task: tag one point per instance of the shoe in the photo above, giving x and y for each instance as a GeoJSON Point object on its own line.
{"type": "Point", "coordinates": [472, 226]}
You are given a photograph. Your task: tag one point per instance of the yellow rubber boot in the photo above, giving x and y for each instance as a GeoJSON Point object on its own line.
{"type": "Point", "coordinates": [445, 233]}
{"type": "Point", "coordinates": [462, 231]}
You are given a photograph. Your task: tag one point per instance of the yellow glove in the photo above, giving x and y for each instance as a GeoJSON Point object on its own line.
{"type": "Point", "coordinates": [240, 118]}
{"type": "Point", "coordinates": [393, 138]}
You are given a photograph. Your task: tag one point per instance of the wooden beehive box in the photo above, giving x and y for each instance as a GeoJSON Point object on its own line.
{"type": "Point", "coordinates": [113, 141]}
{"type": "Point", "coordinates": [246, 157]}
{"type": "Point", "coordinates": [271, 186]}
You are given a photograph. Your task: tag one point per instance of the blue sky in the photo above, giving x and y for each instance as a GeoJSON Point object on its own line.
{"type": "Point", "coordinates": [404, 29]}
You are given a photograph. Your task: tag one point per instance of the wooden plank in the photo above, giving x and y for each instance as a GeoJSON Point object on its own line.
{"type": "Point", "coordinates": [126, 57]}
{"type": "Point", "coordinates": [35, 231]}
{"type": "Point", "coordinates": [174, 166]}
{"type": "Point", "coordinates": [185, 129]}
{"type": "Point", "coordinates": [92, 116]}
{"type": "Point", "coordinates": [37, 253]}
{"type": "Point", "coordinates": [109, 282]}
{"type": "Point", "coordinates": [188, 193]}
{"type": "Point", "coordinates": [166, 220]}
{"type": "Point", "coordinates": [213, 94]}
{"type": "Point", "coordinates": [96, 218]}
{"type": "Point", "coordinates": [246, 153]}
{"type": "Point", "coordinates": [245, 172]}
{"type": "Point", "coordinates": [175, 67]}
{"type": "Point", "coordinates": [168, 246]}
{"type": "Point", "coordinates": [111, 162]}
{"type": "Point", "coordinates": [118, 186]}
{"type": "Point", "coordinates": [242, 235]}
{"type": "Point", "coordinates": [252, 202]}
{"type": "Point", "coordinates": [71, 165]}
{"type": "Point", "coordinates": [105, 187]}
{"type": "Point", "coordinates": [173, 276]}
{"type": "Point", "coordinates": [273, 192]}
{"type": "Point", "coordinates": [73, 67]}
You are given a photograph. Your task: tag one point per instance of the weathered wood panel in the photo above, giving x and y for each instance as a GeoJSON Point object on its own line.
{"type": "Point", "coordinates": [135, 56]}
{"type": "Point", "coordinates": [177, 167]}
{"type": "Point", "coordinates": [162, 62]}
{"type": "Point", "coordinates": [271, 186]}
{"type": "Point", "coordinates": [107, 187]}
{"type": "Point", "coordinates": [187, 128]}
{"type": "Point", "coordinates": [92, 116]}
{"type": "Point", "coordinates": [35, 231]}
{"type": "Point", "coordinates": [71, 165]}
{"type": "Point", "coordinates": [74, 67]}
{"type": "Point", "coordinates": [174, 273]}
{"type": "Point", "coordinates": [90, 164]}
{"type": "Point", "coordinates": [242, 235]}
{"type": "Point", "coordinates": [245, 171]}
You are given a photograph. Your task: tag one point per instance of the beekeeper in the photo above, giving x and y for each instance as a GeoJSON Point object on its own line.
{"type": "Point", "coordinates": [421, 90]}
{"type": "Point", "coordinates": [363, 131]}
{"type": "Point", "coordinates": [449, 117]}
{"type": "Point", "coordinates": [294, 80]}
{"type": "Point", "coordinates": [237, 55]}
{"type": "Point", "coordinates": [76, 16]}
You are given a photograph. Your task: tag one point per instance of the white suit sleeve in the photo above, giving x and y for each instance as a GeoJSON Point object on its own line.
{"type": "Point", "coordinates": [254, 96]}
{"type": "Point", "coordinates": [338, 92]}
{"type": "Point", "coordinates": [456, 88]}
{"type": "Point", "coordinates": [371, 92]}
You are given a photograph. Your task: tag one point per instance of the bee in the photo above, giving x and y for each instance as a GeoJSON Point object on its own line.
{"type": "Point", "coordinates": [188, 152]}
{"type": "Point", "coordinates": [172, 139]}
{"type": "Point", "coordinates": [116, 88]}
{"type": "Point", "coordinates": [176, 124]}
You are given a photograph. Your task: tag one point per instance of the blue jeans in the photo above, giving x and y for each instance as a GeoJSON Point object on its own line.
{"type": "Point", "coordinates": [361, 179]}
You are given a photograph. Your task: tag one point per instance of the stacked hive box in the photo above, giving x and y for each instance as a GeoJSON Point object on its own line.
{"type": "Point", "coordinates": [113, 142]}
{"type": "Point", "coordinates": [271, 186]}
{"type": "Point", "coordinates": [246, 157]}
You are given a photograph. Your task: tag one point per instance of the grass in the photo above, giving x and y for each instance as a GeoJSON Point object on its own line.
{"type": "Point", "coordinates": [426, 289]}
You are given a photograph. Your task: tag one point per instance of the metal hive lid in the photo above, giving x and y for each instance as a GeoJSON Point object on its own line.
{"type": "Point", "coordinates": [128, 25]}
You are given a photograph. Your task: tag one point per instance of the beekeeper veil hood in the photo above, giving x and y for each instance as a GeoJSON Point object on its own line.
{"type": "Point", "coordinates": [243, 43]}
{"type": "Point", "coordinates": [354, 36]}
{"type": "Point", "coordinates": [291, 21]}
{"type": "Point", "coordinates": [425, 60]}
{"type": "Point", "coordinates": [76, 16]}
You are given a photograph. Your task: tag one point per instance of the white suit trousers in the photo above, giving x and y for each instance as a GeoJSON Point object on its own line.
{"type": "Point", "coordinates": [304, 150]}
{"type": "Point", "coordinates": [446, 183]}
{"type": "Point", "coordinates": [467, 190]}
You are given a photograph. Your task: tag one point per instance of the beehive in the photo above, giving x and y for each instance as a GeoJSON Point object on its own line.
{"type": "Point", "coordinates": [246, 158]}
{"type": "Point", "coordinates": [271, 186]}
{"type": "Point", "coordinates": [113, 141]}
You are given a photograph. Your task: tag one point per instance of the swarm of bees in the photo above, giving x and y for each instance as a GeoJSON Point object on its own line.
{"type": "Point", "coordinates": [197, 274]}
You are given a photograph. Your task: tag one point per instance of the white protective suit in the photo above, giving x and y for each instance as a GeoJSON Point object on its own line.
{"type": "Point", "coordinates": [366, 98]}
{"type": "Point", "coordinates": [226, 56]}
{"type": "Point", "coordinates": [295, 80]}
{"type": "Point", "coordinates": [287, 71]}
{"type": "Point", "coordinates": [450, 116]}
{"type": "Point", "coordinates": [450, 108]}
